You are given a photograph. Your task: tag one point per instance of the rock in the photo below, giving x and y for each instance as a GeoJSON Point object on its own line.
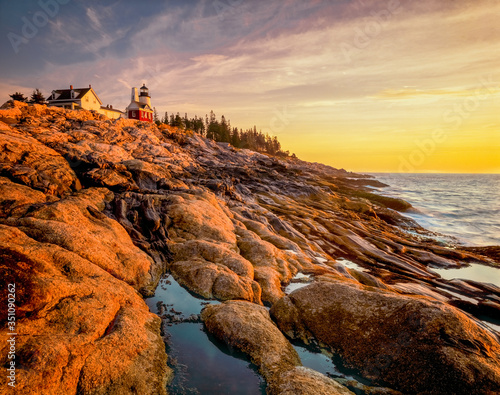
{"type": "Point", "coordinates": [215, 253]}
{"type": "Point", "coordinates": [212, 281]}
{"type": "Point", "coordinates": [270, 283]}
{"type": "Point", "coordinates": [77, 224]}
{"type": "Point", "coordinates": [25, 160]}
{"type": "Point", "coordinates": [249, 329]}
{"type": "Point", "coordinates": [130, 199]}
{"type": "Point", "coordinates": [272, 266]}
{"type": "Point", "coordinates": [91, 331]}
{"type": "Point", "coordinates": [393, 339]}
{"type": "Point", "coordinates": [200, 218]}
{"type": "Point", "coordinates": [16, 199]}
{"type": "Point", "coordinates": [304, 381]}
{"type": "Point", "coordinates": [10, 115]}
{"type": "Point", "coordinates": [13, 104]}
{"type": "Point", "coordinates": [212, 270]}
{"type": "Point", "coordinates": [147, 176]}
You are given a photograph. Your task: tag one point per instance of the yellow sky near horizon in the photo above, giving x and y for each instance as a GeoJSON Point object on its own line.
{"type": "Point", "coordinates": [456, 133]}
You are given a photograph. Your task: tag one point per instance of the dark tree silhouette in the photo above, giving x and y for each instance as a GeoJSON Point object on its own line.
{"type": "Point", "coordinates": [155, 116]}
{"type": "Point", "coordinates": [19, 97]}
{"type": "Point", "coordinates": [37, 97]}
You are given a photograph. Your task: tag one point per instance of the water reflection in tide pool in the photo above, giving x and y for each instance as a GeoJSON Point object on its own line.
{"type": "Point", "coordinates": [201, 364]}
{"type": "Point", "coordinates": [204, 368]}
{"type": "Point", "coordinates": [317, 361]}
{"type": "Point", "coordinates": [475, 272]}
{"type": "Point", "coordinates": [314, 359]}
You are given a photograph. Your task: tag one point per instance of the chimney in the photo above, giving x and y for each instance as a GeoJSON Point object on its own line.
{"type": "Point", "coordinates": [90, 86]}
{"type": "Point", "coordinates": [135, 94]}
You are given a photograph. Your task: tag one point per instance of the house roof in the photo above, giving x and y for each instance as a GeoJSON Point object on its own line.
{"type": "Point", "coordinates": [142, 106]}
{"type": "Point", "coordinates": [65, 94]}
{"type": "Point", "coordinates": [112, 109]}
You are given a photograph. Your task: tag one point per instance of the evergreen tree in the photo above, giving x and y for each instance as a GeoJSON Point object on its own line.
{"type": "Point", "coordinates": [213, 128]}
{"type": "Point", "coordinates": [178, 121]}
{"type": "Point", "coordinates": [224, 131]}
{"type": "Point", "coordinates": [155, 116]}
{"type": "Point", "coordinates": [37, 97]}
{"type": "Point", "coordinates": [235, 138]}
{"type": "Point", "coordinates": [19, 97]}
{"type": "Point", "coordinates": [187, 122]}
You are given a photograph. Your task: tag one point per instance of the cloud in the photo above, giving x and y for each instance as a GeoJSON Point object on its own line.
{"type": "Point", "coordinates": [209, 59]}
{"type": "Point", "coordinates": [94, 19]}
{"type": "Point", "coordinates": [410, 93]}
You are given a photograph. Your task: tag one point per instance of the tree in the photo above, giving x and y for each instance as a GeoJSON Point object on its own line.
{"type": "Point", "coordinates": [177, 121]}
{"type": "Point", "coordinates": [37, 97]}
{"type": "Point", "coordinates": [19, 97]}
{"type": "Point", "coordinates": [187, 122]}
{"type": "Point", "coordinates": [155, 116]}
{"type": "Point", "coordinates": [224, 131]}
{"type": "Point", "coordinates": [235, 138]}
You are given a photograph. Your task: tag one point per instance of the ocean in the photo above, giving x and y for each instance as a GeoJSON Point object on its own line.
{"type": "Point", "coordinates": [465, 207]}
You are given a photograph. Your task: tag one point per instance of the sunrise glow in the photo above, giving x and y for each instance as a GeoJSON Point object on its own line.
{"type": "Point", "coordinates": [372, 86]}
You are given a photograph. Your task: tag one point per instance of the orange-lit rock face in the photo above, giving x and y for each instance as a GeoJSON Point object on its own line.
{"type": "Point", "coordinates": [90, 330]}
{"type": "Point", "coordinates": [93, 211]}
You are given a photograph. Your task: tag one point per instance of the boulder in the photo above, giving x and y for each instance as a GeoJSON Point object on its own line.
{"type": "Point", "coordinates": [248, 328]}
{"type": "Point", "coordinates": [212, 281]}
{"type": "Point", "coordinates": [91, 331]}
{"type": "Point", "coordinates": [412, 344]}
{"type": "Point", "coordinates": [304, 381]}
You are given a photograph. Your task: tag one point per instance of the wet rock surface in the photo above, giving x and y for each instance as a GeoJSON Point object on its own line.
{"type": "Point", "coordinates": [392, 339]}
{"type": "Point", "coordinates": [128, 200]}
{"type": "Point", "coordinates": [248, 328]}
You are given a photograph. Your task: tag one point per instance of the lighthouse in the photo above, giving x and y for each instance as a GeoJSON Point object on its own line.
{"type": "Point", "coordinates": [140, 105]}
{"type": "Point", "coordinates": [144, 96]}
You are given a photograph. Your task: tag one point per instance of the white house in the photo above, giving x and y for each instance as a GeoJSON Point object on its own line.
{"type": "Point", "coordinates": [82, 98]}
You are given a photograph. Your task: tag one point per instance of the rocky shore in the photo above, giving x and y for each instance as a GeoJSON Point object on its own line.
{"type": "Point", "coordinates": [93, 212]}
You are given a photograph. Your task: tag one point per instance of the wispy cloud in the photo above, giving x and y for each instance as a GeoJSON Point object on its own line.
{"type": "Point", "coordinates": [410, 93]}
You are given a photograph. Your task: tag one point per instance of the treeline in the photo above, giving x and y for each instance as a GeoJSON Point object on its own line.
{"type": "Point", "coordinates": [222, 131]}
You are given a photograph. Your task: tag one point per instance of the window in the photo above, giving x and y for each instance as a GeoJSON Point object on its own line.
{"type": "Point", "coordinates": [133, 114]}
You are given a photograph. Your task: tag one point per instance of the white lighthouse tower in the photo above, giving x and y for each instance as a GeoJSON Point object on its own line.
{"type": "Point", "coordinates": [144, 96]}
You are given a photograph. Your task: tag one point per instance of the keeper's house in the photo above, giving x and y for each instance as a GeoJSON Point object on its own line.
{"type": "Point", "coordinates": [82, 98]}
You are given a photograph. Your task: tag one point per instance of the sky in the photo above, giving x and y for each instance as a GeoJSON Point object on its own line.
{"type": "Point", "coordinates": [364, 85]}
